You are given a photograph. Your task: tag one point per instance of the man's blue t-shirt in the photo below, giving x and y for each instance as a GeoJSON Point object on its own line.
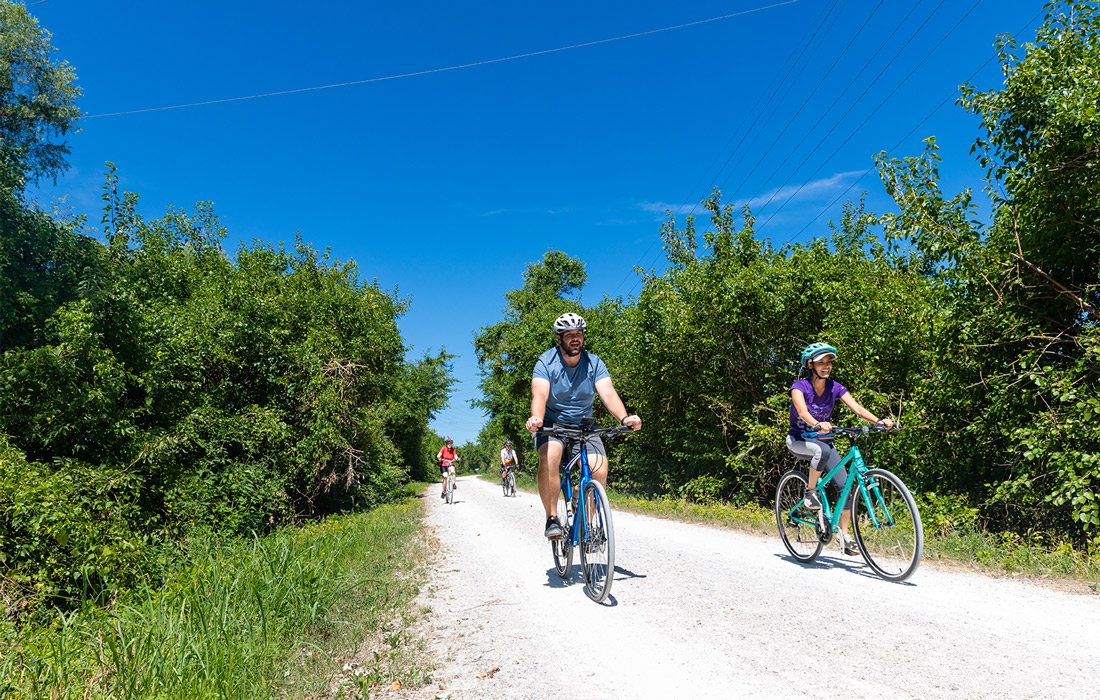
{"type": "Point", "coordinates": [572, 389]}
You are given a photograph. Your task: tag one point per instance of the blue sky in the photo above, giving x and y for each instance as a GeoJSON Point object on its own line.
{"type": "Point", "coordinates": [444, 185]}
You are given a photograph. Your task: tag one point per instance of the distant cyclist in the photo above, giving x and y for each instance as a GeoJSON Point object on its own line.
{"type": "Point", "coordinates": [446, 457]}
{"type": "Point", "coordinates": [565, 381]}
{"type": "Point", "coordinates": [812, 401]}
{"type": "Point", "coordinates": [508, 460]}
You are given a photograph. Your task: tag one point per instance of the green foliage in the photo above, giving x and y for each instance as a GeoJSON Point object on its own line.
{"type": "Point", "coordinates": [983, 339]}
{"type": "Point", "coordinates": [234, 621]}
{"type": "Point", "coordinates": [37, 98]}
{"type": "Point", "coordinates": [158, 390]}
{"type": "Point", "coordinates": [65, 529]}
{"type": "Point", "coordinates": [507, 351]}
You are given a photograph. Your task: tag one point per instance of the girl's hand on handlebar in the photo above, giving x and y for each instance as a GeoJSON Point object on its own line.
{"type": "Point", "coordinates": [823, 427]}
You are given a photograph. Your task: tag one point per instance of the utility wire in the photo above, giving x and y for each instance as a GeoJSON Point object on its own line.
{"type": "Point", "coordinates": [950, 97]}
{"type": "Point", "coordinates": [871, 114]}
{"type": "Point", "coordinates": [650, 258]}
{"type": "Point", "coordinates": [446, 69]}
{"type": "Point", "coordinates": [863, 94]}
{"type": "Point", "coordinates": [779, 133]}
{"type": "Point", "coordinates": [759, 115]}
{"type": "Point", "coordinates": [845, 90]}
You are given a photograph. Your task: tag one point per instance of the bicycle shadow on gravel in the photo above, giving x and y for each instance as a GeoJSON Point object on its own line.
{"type": "Point", "coordinates": [826, 562]}
{"type": "Point", "coordinates": [623, 574]}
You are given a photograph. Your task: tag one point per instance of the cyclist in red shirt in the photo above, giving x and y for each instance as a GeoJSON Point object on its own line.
{"type": "Point", "coordinates": [446, 457]}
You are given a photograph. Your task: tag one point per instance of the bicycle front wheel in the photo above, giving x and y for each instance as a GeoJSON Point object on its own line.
{"type": "Point", "coordinates": [889, 534]}
{"type": "Point", "coordinates": [511, 484]}
{"type": "Point", "coordinates": [450, 490]}
{"type": "Point", "coordinates": [597, 543]}
{"type": "Point", "coordinates": [797, 523]}
{"type": "Point", "coordinates": [563, 548]}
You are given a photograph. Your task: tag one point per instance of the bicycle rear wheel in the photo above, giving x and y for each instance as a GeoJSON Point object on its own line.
{"type": "Point", "coordinates": [890, 534]}
{"type": "Point", "coordinates": [796, 523]}
{"type": "Point", "coordinates": [597, 543]}
{"type": "Point", "coordinates": [563, 548]}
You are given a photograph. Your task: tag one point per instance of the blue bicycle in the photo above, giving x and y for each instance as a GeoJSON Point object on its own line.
{"type": "Point", "coordinates": [584, 512]}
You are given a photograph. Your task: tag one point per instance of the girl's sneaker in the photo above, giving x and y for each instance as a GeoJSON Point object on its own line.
{"type": "Point", "coordinates": [810, 500]}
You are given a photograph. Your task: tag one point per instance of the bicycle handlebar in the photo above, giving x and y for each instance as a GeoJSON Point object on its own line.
{"type": "Point", "coordinates": [578, 432]}
{"type": "Point", "coordinates": [858, 431]}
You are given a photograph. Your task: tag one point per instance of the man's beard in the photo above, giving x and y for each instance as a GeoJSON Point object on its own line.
{"type": "Point", "coordinates": [571, 351]}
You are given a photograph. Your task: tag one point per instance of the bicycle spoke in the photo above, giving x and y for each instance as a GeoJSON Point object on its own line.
{"type": "Point", "coordinates": [598, 543]}
{"type": "Point", "coordinates": [796, 523]}
{"type": "Point", "coordinates": [889, 533]}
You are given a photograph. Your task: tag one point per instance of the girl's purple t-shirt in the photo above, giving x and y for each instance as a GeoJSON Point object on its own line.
{"type": "Point", "coordinates": [820, 407]}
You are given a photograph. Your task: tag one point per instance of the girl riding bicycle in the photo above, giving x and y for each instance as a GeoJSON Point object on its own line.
{"type": "Point", "coordinates": [812, 402]}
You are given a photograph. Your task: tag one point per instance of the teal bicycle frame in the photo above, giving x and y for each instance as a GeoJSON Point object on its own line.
{"type": "Point", "coordinates": [857, 476]}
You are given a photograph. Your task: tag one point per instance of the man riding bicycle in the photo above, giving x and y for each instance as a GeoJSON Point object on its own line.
{"type": "Point", "coordinates": [564, 383]}
{"type": "Point", "coordinates": [812, 402]}
{"type": "Point", "coordinates": [446, 457]}
{"type": "Point", "coordinates": [508, 460]}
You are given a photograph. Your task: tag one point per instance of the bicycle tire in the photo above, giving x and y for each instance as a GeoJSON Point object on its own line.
{"type": "Point", "coordinates": [563, 548]}
{"type": "Point", "coordinates": [511, 484]}
{"type": "Point", "coordinates": [597, 543]}
{"type": "Point", "coordinates": [892, 544]}
{"type": "Point", "coordinates": [799, 537]}
{"type": "Point", "coordinates": [450, 490]}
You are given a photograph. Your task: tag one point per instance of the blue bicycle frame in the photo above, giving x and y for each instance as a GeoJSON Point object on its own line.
{"type": "Point", "coordinates": [567, 490]}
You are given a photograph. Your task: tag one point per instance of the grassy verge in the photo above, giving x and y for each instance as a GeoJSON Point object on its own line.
{"type": "Point", "coordinates": [281, 616]}
{"type": "Point", "coordinates": [1004, 554]}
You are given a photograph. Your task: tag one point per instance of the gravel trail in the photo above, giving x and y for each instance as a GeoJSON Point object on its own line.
{"type": "Point", "coordinates": [708, 613]}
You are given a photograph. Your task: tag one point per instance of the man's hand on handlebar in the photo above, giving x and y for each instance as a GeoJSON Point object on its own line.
{"type": "Point", "coordinates": [534, 423]}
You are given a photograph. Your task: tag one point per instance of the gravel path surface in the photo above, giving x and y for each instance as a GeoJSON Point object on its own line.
{"type": "Point", "coordinates": [707, 613]}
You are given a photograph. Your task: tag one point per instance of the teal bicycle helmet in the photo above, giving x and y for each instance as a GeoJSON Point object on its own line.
{"type": "Point", "coordinates": [816, 350]}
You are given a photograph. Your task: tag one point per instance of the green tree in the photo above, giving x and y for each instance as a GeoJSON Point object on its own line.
{"type": "Point", "coordinates": [37, 98]}
{"type": "Point", "coordinates": [507, 351]}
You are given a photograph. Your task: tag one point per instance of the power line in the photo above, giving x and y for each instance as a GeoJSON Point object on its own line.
{"type": "Point", "coordinates": [779, 134]}
{"type": "Point", "coordinates": [852, 106]}
{"type": "Point", "coordinates": [759, 115]}
{"type": "Point", "coordinates": [649, 258]}
{"type": "Point", "coordinates": [446, 69]}
{"type": "Point", "coordinates": [869, 115]}
{"type": "Point", "coordinates": [949, 98]}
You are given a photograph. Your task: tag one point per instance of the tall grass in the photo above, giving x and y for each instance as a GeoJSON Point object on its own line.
{"type": "Point", "coordinates": [235, 623]}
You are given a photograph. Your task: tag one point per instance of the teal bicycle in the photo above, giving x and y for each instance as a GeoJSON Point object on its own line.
{"type": "Point", "coordinates": [885, 520]}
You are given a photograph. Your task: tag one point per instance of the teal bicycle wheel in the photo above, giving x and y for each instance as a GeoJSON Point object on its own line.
{"type": "Point", "coordinates": [597, 543]}
{"type": "Point", "coordinates": [796, 523]}
{"type": "Point", "coordinates": [889, 535]}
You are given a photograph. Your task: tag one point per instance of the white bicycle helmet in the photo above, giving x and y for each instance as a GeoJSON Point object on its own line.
{"type": "Point", "coordinates": [569, 322]}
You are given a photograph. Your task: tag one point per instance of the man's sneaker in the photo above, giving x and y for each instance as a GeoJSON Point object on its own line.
{"type": "Point", "coordinates": [553, 528]}
{"type": "Point", "coordinates": [810, 500]}
{"type": "Point", "coordinates": [851, 549]}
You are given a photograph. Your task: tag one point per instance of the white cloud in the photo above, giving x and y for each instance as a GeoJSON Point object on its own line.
{"type": "Point", "coordinates": [814, 189]}
{"type": "Point", "coordinates": [662, 207]}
